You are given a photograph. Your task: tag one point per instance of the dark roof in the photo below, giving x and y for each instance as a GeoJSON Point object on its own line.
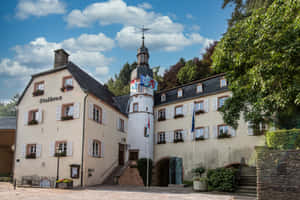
{"type": "Point", "coordinates": [211, 85]}
{"type": "Point", "coordinates": [86, 82]}
{"type": "Point", "coordinates": [122, 102]}
{"type": "Point", "coordinates": [8, 123]}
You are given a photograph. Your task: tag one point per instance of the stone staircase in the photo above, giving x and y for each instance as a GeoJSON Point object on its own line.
{"type": "Point", "coordinates": [110, 178]}
{"type": "Point", "coordinates": [247, 182]}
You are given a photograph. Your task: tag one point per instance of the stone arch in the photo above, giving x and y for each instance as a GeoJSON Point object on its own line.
{"type": "Point", "coordinates": [161, 172]}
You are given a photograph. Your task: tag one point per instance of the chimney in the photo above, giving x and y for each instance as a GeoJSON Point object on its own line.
{"type": "Point", "coordinates": [60, 58]}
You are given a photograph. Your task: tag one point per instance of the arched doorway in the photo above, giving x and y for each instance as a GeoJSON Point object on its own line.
{"type": "Point", "coordinates": [168, 171]}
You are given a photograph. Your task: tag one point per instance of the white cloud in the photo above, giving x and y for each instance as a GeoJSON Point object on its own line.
{"type": "Point", "coordinates": [86, 51]}
{"type": "Point", "coordinates": [189, 16]}
{"type": "Point", "coordinates": [26, 8]}
{"type": "Point", "coordinates": [195, 28]}
{"type": "Point", "coordinates": [145, 5]}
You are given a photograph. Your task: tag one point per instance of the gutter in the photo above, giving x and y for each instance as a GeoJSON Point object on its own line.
{"type": "Point", "coordinates": [83, 140]}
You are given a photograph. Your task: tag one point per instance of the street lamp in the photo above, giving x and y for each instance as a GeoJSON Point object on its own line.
{"type": "Point", "coordinates": [58, 153]}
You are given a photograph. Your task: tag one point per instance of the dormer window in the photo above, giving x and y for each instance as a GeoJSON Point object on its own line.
{"type": "Point", "coordinates": [38, 88]}
{"type": "Point", "coordinates": [67, 84]}
{"type": "Point", "coordinates": [223, 82]}
{"type": "Point", "coordinates": [179, 93]}
{"type": "Point", "coordinates": [199, 88]}
{"type": "Point", "coordinates": [163, 97]}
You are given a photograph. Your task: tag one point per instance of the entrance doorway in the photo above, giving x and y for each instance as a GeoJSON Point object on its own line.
{"type": "Point", "coordinates": [121, 154]}
{"type": "Point", "coordinates": [169, 171]}
{"type": "Point", "coordinates": [133, 155]}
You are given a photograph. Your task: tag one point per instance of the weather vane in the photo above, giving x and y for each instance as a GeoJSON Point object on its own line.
{"type": "Point", "coordinates": [143, 29]}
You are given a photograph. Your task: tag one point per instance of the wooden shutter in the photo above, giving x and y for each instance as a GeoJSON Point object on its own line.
{"type": "Point", "coordinates": [52, 149]}
{"type": "Point", "coordinates": [206, 132]}
{"type": "Point", "coordinates": [90, 147]}
{"type": "Point", "coordinates": [215, 131]}
{"type": "Point", "coordinates": [102, 149]}
{"type": "Point", "coordinates": [40, 116]}
{"type": "Point", "coordinates": [215, 103]}
{"type": "Point", "coordinates": [26, 118]}
{"type": "Point", "coordinates": [69, 148]}
{"type": "Point", "coordinates": [232, 131]}
{"type": "Point", "coordinates": [250, 128]}
{"type": "Point", "coordinates": [38, 150]}
{"type": "Point", "coordinates": [184, 109]}
{"type": "Point", "coordinates": [90, 111]}
{"type": "Point", "coordinates": [58, 112]}
{"type": "Point", "coordinates": [76, 110]}
{"type": "Point", "coordinates": [206, 105]}
{"type": "Point", "coordinates": [104, 120]}
{"type": "Point", "coordinates": [23, 151]}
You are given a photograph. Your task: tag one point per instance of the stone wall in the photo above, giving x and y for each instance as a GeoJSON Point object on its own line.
{"type": "Point", "coordinates": [278, 174]}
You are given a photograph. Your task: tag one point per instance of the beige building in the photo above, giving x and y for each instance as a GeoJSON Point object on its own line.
{"type": "Point", "coordinates": [65, 115]}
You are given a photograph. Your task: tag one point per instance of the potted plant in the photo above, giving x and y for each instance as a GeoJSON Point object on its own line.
{"type": "Point", "coordinates": [199, 184]}
{"type": "Point", "coordinates": [64, 183]}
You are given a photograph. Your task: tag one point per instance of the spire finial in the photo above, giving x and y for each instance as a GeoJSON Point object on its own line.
{"type": "Point", "coordinates": [143, 34]}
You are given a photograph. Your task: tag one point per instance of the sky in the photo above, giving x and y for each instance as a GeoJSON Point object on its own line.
{"type": "Point", "coordinates": [102, 35]}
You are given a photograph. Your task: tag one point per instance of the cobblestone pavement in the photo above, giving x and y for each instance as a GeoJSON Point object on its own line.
{"type": "Point", "coordinates": [108, 193]}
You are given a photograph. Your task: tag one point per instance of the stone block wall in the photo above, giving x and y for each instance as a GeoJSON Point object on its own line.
{"type": "Point", "coordinates": [278, 174]}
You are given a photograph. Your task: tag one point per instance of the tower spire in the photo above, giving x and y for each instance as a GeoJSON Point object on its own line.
{"type": "Point", "coordinates": [143, 35]}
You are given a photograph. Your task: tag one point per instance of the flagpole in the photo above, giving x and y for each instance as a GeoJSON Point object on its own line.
{"type": "Point", "coordinates": [147, 184]}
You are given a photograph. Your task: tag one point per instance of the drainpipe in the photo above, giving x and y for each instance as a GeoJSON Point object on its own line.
{"type": "Point", "coordinates": [83, 137]}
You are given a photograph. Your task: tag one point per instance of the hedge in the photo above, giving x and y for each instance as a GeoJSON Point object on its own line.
{"type": "Point", "coordinates": [142, 167]}
{"type": "Point", "coordinates": [283, 139]}
{"type": "Point", "coordinates": [221, 179]}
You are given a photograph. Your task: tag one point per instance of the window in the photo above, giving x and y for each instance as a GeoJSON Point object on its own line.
{"type": "Point", "coordinates": [67, 84]}
{"type": "Point", "coordinates": [140, 88]}
{"type": "Point", "coordinates": [96, 148]}
{"type": "Point", "coordinates": [178, 136]}
{"type": "Point", "coordinates": [67, 111]}
{"type": "Point", "coordinates": [178, 111]}
{"type": "Point", "coordinates": [199, 133]}
{"type": "Point", "coordinates": [121, 124]}
{"type": "Point", "coordinates": [38, 88]}
{"type": "Point", "coordinates": [223, 131]}
{"type": "Point", "coordinates": [199, 107]}
{"type": "Point", "coordinates": [161, 138]}
{"type": "Point", "coordinates": [33, 117]}
{"type": "Point", "coordinates": [223, 82]}
{"type": "Point", "coordinates": [163, 97]}
{"type": "Point", "coordinates": [162, 115]}
{"type": "Point", "coordinates": [61, 148]}
{"type": "Point", "coordinates": [135, 107]}
{"type": "Point", "coordinates": [221, 101]}
{"type": "Point", "coordinates": [199, 88]}
{"type": "Point", "coordinates": [97, 114]}
{"type": "Point", "coordinates": [31, 151]}
{"type": "Point", "coordinates": [179, 93]}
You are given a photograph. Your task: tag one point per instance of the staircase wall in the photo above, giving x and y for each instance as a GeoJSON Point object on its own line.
{"type": "Point", "coordinates": [131, 176]}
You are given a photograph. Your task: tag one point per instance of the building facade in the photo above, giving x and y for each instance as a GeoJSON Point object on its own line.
{"type": "Point", "coordinates": [71, 126]}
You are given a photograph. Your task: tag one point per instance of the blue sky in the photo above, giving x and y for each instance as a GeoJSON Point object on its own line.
{"type": "Point", "coordinates": [101, 35]}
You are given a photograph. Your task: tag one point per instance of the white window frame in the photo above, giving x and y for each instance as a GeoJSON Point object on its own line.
{"type": "Point", "coordinates": [180, 109]}
{"type": "Point", "coordinates": [198, 108]}
{"type": "Point", "coordinates": [180, 93]}
{"type": "Point", "coordinates": [224, 128]}
{"type": "Point", "coordinates": [223, 82]}
{"type": "Point", "coordinates": [199, 88]}
{"type": "Point", "coordinates": [96, 148]}
{"type": "Point", "coordinates": [163, 98]}
{"type": "Point", "coordinates": [199, 132]}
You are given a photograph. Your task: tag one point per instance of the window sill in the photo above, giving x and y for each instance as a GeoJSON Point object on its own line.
{"type": "Point", "coordinates": [199, 138]}
{"type": "Point", "coordinates": [31, 156]}
{"type": "Point", "coordinates": [67, 118]}
{"type": "Point", "coordinates": [162, 142]}
{"type": "Point", "coordinates": [94, 156]}
{"type": "Point", "coordinates": [67, 88]}
{"type": "Point", "coordinates": [224, 135]}
{"type": "Point", "coordinates": [64, 154]}
{"type": "Point", "coordinates": [38, 93]}
{"type": "Point", "coordinates": [178, 116]}
{"type": "Point", "coordinates": [32, 123]}
{"type": "Point", "coordinates": [177, 141]}
{"type": "Point", "coordinates": [123, 131]}
{"type": "Point", "coordinates": [161, 119]}
{"type": "Point", "coordinates": [198, 112]}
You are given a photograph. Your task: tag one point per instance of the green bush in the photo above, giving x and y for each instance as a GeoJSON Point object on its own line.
{"type": "Point", "coordinates": [221, 179]}
{"type": "Point", "coordinates": [142, 167]}
{"type": "Point", "coordinates": [283, 139]}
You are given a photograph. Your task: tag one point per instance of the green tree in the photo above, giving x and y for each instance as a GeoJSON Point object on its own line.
{"type": "Point", "coordinates": [9, 109]}
{"type": "Point", "coordinates": [188, 73]}
{"type": "Point", "coordinates": [260, 55]}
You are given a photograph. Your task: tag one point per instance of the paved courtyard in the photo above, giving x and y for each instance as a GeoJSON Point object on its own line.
{"type": "Point", "coordinates": [109, 193]}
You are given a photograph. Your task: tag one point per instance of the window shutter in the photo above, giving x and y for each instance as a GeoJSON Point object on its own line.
{"type": "Point", "coordinates": [232, 131]}
{"type": "Point", "coordinates": [171, 136]}
{"type": "Point", "coordinates": [191, 135]}
{"type": "Point", "coordinates": [166, 136]}
{"type": "Point", "coordinates": [184, 109]}
{"type": "Point", "coordinates": [104, 120]}
{"type": "Point", "coordinates": [77, 110]}
{"type": "Point", "coordinates": [23, 151]}
{"type": "Point", "coordinates": [91, 107]}
{"type": "Point", "coordinates": [126, 126]}
{"type": "Point", "coordinates": [102, 149]}
{"type": "Point", "coordinates": [69, 148]}
{"type": "Point", "coordinates": [171, 110]}
{"type": "Point", "coordinates": [156, 115]}
{"type": "Point", "coordinates": [184, 135]}
{"type": "Point", "coordinates": [118, 123]}
{"type": "Point", "coordinates": [215, 104]}
{"type": "Point", "coordinates": [191, 108]}
{"type": "Point", "coordinates": [52, 149]}
{"type": "Point", "coordinates": [58, 112]}
{"type": "Point", "coordinates": [215, 131]}
{"type": "Point", "coordinates": [26, 118]}
{"type": "Point", "coordinates": [90, 147]}
{"type": "Point", "coordinates": [38, 150]}
{"type": "Point", "coordinates": [250, 129]}
{"type": "Point", "coordinates": [40, 116]}
{"type": "Point", "coordinates": [206, 132]}
{"type": "Point", "coordinates": [206, 106]}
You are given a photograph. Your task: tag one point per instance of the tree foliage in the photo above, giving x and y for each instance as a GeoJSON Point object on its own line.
{"type": "Point", "coordinates": [260, 55]}
{"type": "Point", "coordinates": [9, 109]}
